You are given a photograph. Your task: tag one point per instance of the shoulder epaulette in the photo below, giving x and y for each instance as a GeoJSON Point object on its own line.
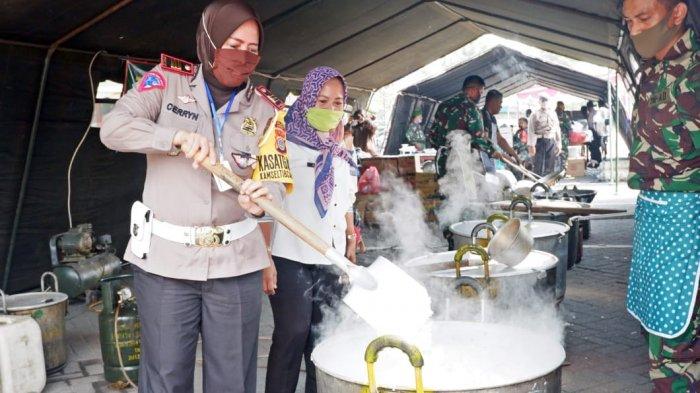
{"type": "Point", "coordinates": [269, 97]}
{"type": "Point", "coordinates": [173, 64]}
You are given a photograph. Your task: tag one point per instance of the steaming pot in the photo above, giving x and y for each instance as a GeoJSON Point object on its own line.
{"type": "Point", "coordinates": [449, 356]}
{"type": "Point", "coordinates": [538, 265]}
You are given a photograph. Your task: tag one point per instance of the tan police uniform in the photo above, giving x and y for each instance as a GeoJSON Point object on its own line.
{"type": "Point", "coordinates": [146, 122]}
{"type": "Point", "coordinates": [184, 289]}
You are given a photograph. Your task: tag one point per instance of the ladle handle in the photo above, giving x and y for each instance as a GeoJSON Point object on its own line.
{"type": "Point", "coordinates": [43, 281]}
{"type": "Point", "coordinates": [275, 211]}
{"type": "Point", "coordinates": [521, 200]}
{"type": "Point", "coordinates": [378, 344]}
{"type": "Point", "coordinates": [546, 188]}
{"type": "Point", "coordinates": [481, 226]}
{"type": "Point", "coordinates": [472, 248]}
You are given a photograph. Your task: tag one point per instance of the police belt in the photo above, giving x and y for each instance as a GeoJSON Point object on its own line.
{"type": "Point", "coordinates": [216, 236]}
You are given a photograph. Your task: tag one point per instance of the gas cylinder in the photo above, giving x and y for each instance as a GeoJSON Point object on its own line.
{"type": "Point", "coordinates": [119, 305]}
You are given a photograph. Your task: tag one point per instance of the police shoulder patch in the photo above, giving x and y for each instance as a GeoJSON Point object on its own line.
{"type": "Point", "coordinates": [269, 97]}
{"type": "Point", "coordinates": [152, 80]}
{"type": "Point", "coordinates": [173, 64]}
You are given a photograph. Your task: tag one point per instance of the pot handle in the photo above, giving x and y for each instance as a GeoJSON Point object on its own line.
{"type": "Point", "coordinates": [470, 282]}
{"type": "Point", "coordinates": [524, 201]}
{"type": "Point", "coordinates": [473, 249]}
{"type": "Point", "coordinates": [544, 187]}
{"type": "Point", "coordinates": [4, 303]}
{"type": "Point", "coordinates": [378, 344]}
{"type": "Point", "coordinates": [43, 281]}
{"type": "Point", "coordinates": [481, 226]}
{"type": "Point", "coordinates": [496, 217]}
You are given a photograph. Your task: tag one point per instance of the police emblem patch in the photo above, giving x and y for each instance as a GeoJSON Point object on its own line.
{"type": "Point", "coordinates": [150, 81]}
{"type": "Point", "coordinates": [249, 126]}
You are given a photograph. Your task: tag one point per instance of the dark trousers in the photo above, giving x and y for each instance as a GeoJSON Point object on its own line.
{"type": "Point", "coordinates": [173, 313]}
{"type": "Point", "coordinates": [594, 147]}
{"type": "Point", "coordinates": [545, 156]}
{"type": "Point", "coordinates": [304, 292]}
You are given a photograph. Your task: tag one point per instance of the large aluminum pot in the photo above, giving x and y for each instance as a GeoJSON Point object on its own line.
{"type": "Point", "coordinates": [49, 310]}
{"type": "Point", "coordinates": [549, 236]}
{"type": "Point", "coordinates": [539, 267]}
{"type": "Point", "coordinates": [449, 356]}
{"type": "Point", "coordinates": [570, 194]}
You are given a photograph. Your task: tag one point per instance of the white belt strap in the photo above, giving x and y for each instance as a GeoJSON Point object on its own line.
{"type": "Point", "coordinates": [204, 236]}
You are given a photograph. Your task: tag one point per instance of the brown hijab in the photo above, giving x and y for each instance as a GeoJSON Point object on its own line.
{"type": "Point", "coordinates": [221, 18]}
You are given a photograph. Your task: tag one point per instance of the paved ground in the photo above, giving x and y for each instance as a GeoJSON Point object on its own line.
{"type": "Point", "coordinates": [605, 350]}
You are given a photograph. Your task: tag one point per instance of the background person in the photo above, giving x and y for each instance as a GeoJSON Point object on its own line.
{"type": "Point", "coordinates": [565, 127]}
{"type": "Point", "coordinates": [414, 134]}
{"type": "Point", "coordinates": [461, 113]}
{"type": "Point", "coordinates": [544, 138]}
{"type": "Point", "coordinates": [364, 139]}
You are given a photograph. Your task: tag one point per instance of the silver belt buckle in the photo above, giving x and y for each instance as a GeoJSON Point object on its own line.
{"type": "Point", "coordinates": [209, 236]}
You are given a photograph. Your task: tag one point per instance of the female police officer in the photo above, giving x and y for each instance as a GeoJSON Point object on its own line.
{"type": "Point", "coordinates": [198, 270]}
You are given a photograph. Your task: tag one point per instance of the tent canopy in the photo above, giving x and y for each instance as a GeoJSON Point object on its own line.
{"type": "Point", "coordinates": [503, 69]}
{"type": "Point", "coordinates": [372, 42]}
{"type": "Point", "coordinates": [509, 71]}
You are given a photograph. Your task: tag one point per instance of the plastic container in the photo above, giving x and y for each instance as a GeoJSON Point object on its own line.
{"type": "Point", "coordinates": [21, 355]}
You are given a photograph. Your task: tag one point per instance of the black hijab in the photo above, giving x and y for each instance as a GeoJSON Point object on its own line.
{"type": "Point", "coordinates": [221, 18]}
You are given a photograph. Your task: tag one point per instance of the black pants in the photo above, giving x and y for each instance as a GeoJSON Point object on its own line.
{"type": "Point", "coordinates": [594, 147]}
{"type": "Point", "coordinates": [304, 292]}
{"type": "Point", "coordinates": [545, 156]}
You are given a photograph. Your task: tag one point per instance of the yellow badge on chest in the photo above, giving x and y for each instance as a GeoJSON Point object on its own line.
{"type": "Point", "coordinates": [249, 126]}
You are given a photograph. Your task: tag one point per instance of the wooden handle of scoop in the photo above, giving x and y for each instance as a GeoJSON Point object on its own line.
{"type": "Point", "coordinates": [271, 208]}
{"type": "Point", "coordinates": [520, 169]}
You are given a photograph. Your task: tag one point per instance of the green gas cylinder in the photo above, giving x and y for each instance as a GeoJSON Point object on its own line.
{"type": "Point", "coordinates": [119, 304]}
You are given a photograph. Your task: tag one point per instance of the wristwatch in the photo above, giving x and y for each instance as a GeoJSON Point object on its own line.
{"type": "Point", "coordinates": [351, 236]}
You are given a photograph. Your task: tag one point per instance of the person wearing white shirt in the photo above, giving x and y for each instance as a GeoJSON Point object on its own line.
{"type": "Point", "coordinates": [544, 138]}
{"type": "Point", "coordinates": [323, 196]}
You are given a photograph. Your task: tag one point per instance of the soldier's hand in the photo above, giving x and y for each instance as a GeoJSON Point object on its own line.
{"type": "Point", "coordinates": [531, 150]}
{"type": "Point", "coordinates": [497, 155]}
{"type": "Point", "coordinates": [195, 146]}
{"type": "Point", "coordinates": [251, 190]}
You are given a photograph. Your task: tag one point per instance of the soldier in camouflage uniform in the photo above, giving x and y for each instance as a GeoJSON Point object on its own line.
{"type": "Point", "coordinates": [414, 134]}
{"type": "Point", "coordinates": [461, 113]}
{"type": "Point", "coordinates": [565, 127]}
{"type": "Point", "coordinates": [665, 166]}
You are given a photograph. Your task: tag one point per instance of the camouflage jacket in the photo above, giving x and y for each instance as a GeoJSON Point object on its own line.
{"type": "Point", "coordinates": [665, 152]}
{"type": "Point", "coordinates": [414, 134]}
{"type": "Point", "coordinates": [459, 113]}
{"type": "Point", "coordinates": [564, 123]}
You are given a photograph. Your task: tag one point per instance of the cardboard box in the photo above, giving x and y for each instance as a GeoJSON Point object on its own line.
{"type": "Point", "coordinates": [383, 164]}
{"type": "Point", "coordinates": [576, 167]}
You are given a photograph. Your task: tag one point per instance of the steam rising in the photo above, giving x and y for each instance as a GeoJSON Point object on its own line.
{"type": "Point", "coordinates": [466, 190]}
{"type": "Point", "coordinates": [402, 221]}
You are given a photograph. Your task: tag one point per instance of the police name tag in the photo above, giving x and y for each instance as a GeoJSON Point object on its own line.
{"type": "Point", "coordinates": [220, 184]}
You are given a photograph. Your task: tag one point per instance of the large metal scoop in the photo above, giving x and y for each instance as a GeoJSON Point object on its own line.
{"type": "Point", "coordinates": [357, 274]}
{"type": "Point", "coordinates": [513, 241]}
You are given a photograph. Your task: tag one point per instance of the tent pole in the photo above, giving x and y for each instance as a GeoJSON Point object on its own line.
{"type": "Point", "coordinates": [35, 126]}
{"type": "Point", "coordinates": [610, 119]}
{"type": "Point", "coordinates": [617, 130]}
